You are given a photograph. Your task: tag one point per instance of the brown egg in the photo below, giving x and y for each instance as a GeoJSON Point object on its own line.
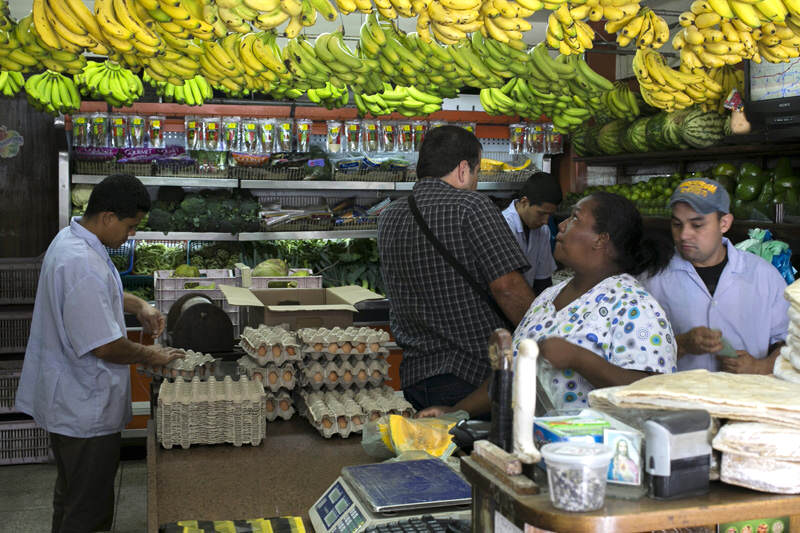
{"type": "Point", "coordinates": [276, 351]}
{"type": "Point", "coordinates": [375, 347]}
{"type": "Point", "coordinates": [356, 420]}
{"type": "Point", "coordinates": [361, 347]}
{"type": "Point", "coordinates": [262, 351]}
{"type": "Point", "coordinates": [258, 377]}
{"type": "Point", "coordinates": [376, 374]}
{"type": "Point", "coordinates": [347, 347]}
{"type": "Point", "coordinates": [348, 376]}
{"type": "Point", "coordinates": [342, 420]}
{"type": "Point", "coordinates": [362, 375]}
{"type": "Point", "coordinates": [318, 347]}
{"type": "Point", "coordinates": [318, 377]}
{"type": "Point", "coordinates": [290, 350]}
{"type": "Point", "coordinates": [374, 415]}
{"type": "Point", "coordinates": [326, 422]}
{"type": "Point", "coordinates": [333, 377]}
{"type": "Point", "coordinates": [270, 406]}
{"type": "Point", "coordinates": [287, 376]}
{"type": "Point", "coordinates": [333, 347]}
{"type": "Point", "coordinates": [273, 377]}
{"type": "Point", "coordinates": [284, 405]}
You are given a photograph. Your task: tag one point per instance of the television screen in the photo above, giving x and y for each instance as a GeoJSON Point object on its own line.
{"type": "Point", "coordinates": [773, 81]}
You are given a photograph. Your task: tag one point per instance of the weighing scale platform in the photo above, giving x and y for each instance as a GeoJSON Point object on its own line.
{"type": "Point", "coordinates": [373, 494]}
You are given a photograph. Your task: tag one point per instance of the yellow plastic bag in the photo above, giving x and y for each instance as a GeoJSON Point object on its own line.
{"type": "Point", "coordinates": [394, 435]}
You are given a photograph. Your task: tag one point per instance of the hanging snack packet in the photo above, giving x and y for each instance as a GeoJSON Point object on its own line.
{"type": "Point", "coordinates": [230, 133]}
{"type": "Point", "coordinates": [249, 136]}
{"type": "Point", "coordinates": [334, 136]}
{"type": "Point", "coordinates": [137, 129]}
{"type": "Point", "coordinates": [516, 139]}
{"type": "Point", "coordinates": [194, 133]}
{"type": "Point", "coordinates": [420, 127]}
{"type": "Point", "coordinates": [352, 132]}
{"type": "Point", "coordinates": [388, 136]}
{"type": "Point", "coordinates": [155, 130]}
{"type": "Point", "coordinates": [303, 134]}
{"type": "Point", "coordinates": [80, 130]}
{"type": "Point", "coordinates": [211, 130]}
{"type": "Point", "coordinates": [99, 131]}
{"type": "Point", "coordinates": [284, 137]}
{"type": "Point", "coordinates": [266, 130]}
{"type": "Point", "coordinates": [405, 139]}
{"type": "Point", "coordinates": [369, 133]}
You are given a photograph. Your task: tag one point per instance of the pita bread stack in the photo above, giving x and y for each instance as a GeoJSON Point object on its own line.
{"type": "Point", "coordinates": [787, 366]}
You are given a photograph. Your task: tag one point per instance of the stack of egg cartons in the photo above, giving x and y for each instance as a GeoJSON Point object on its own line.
{"type": "Point", "coordinates": [339, 366]}
{"type": "Point", "coordinates": [192, 364]}
{"type": "Point", "coordinates": [211, 412]}
{"type": "Point", "coordinates": [787, 366]}
{"type": "Point", "coordinates": [273, 353]}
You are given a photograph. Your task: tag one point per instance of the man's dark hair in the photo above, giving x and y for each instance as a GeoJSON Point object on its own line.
{"type": "Point", "coordinates": [122, 194]}
{"type": "Point", "coordinates": [541, 188]}
{"type": "Point", "coordinates": [444, 148]}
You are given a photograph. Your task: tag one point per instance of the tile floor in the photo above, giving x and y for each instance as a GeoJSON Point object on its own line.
{"type": "Point", "coordinates": [26, 494]}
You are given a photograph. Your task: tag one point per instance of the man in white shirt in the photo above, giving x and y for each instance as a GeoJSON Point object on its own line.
{"type": "Point", "coordinates": [711, 291]}
{"type": "Point", "coordinates": [75, 378]}
{"type": "Point", "coordinates": [527, 217]}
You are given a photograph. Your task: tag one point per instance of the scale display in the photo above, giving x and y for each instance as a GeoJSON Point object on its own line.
{"type": "Point", "coordinates": [336, 504]}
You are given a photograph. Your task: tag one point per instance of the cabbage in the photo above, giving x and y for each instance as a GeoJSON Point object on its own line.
{"type": "Point", "coordinates": [80, 196]}
{"type": "Point", "coordinates": [271, 268]}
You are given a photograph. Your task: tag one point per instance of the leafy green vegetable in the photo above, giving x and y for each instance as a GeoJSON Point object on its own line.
{"type": "Point", "coordinates": [149, 257]}
{"type": "Point", "coordinates": [121, 262]}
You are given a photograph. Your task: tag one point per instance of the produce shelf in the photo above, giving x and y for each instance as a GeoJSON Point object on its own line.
{"type": "Point", "coordinates": [165, 180]}
{"type": "Point", "coordinates": [183, 236]}
{"type": "Point", "coordinates": [732, 150]}
{"type": "Point", "coordinates": [482, 186]}
{"type": "Point", "coordinates": [318, 185]}
{"type": "Point", "coordinates": [282, 235]}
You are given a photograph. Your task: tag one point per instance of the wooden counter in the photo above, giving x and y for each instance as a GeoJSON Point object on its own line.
{"type": "Point", "coordinates": [725, 503]}
{"type": "Point", "coordinates": [283, 476]}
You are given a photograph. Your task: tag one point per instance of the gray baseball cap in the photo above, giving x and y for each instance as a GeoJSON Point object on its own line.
{"type": "Point", "coordinates": [703, 195]}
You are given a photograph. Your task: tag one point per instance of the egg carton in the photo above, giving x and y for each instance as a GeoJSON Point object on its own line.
{"type": "Point", "coordinates": [211, 412]}
{"type": "Point", "coordinates": [193, 364]}
{"type": "Point", "coordinates": [270, 344]}
{"type": "Point", "coordinates": [332, 374]}
{"type": "Point", "coordinates": [279, 405]}
{"type": "Point", "coordinates": [345, 412]}
{"type": "Point", "coordinates": [272, 376]}
{"type": "Point", "coordinates": [352, 357]}
{"type": "Point", "coordinates": [342, 341]}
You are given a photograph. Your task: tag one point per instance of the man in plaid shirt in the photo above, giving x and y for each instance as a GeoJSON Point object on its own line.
{"type": "Point", "coordinates": [441, 322]}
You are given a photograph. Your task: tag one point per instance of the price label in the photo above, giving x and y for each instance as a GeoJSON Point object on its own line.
{"type": "Point", "coordinates": [251, 126]}
{"type": "Point", "coordinates": [156, 123]}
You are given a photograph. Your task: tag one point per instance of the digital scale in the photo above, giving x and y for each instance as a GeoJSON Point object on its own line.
{"type": "Point", "coordinates": [373, 494]}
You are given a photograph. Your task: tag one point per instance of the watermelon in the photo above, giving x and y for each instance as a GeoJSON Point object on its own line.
{"type": "Point", "coordinates": [578, 140]}
{"type": "Point", "coordinates": [608, 138]}
{"type": "Point", "coordinates": [672, 128]}
{"type": "Point", "coordinates": [626, 142]}
{"type": "Point", "coordinates": [637, 135]}
{"type": "Point", "coordinates": [701, 129]}
{"type": "Point", "coordinates": [655, 132]}
{"type": "Point", "coordinates": [591, 140]}
{"type": "Point", "coordinates": [727, 129]}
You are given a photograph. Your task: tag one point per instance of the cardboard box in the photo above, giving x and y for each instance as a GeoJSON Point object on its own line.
{"type": "Point", "coordinates": [299, 308]}
{"type": "Point", "coordinates": [766, 525]}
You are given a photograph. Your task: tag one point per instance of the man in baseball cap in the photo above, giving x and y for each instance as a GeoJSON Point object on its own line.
{"type": "Point", "coordinates": [726, 306]}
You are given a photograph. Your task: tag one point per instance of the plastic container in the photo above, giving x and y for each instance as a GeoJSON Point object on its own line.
{"type": "Point", "coordinates": [98, 133]}
{"type": "Point", "coordinates": [119, 131]}
{"type": "Point", "coordinates": [536, 138]}
{"type": "Point", "coordinates": [249, 141]}
{"type": "Point", "coordinates": [266, 133]}
{"type": "Point", "coordinates": [555, 141]}
{"type": "Point", "coordinates": [80, 130]}
{"type": "Point", "coordinates": [370, 135]}
{"type": "Point", "coordinates": [576, 474]}
{"type": "Point", "coordinates": [405, 138]}
{"type": "Point", "coordinates": [211, 132]}
{"type": "Point", "coordinates": [419, 128]}
{"type": "Point", "coordinates": [388, 136]}
{"type": "Point", "coordinates": [516, 139]}
{"type": "Point", "coordinates": [335, 137]}
{"type": "Point", "coordinates": [284, 134]}
{"type": "Point", "coordinates": [303, 131]}
{"type": "Point", "coordinates": [194, 133]}
{"type": "Point", "coordinates": [23, 442]}
{"type": "Point", "coordinates": [155, 130]}
{"type": "Point", "coordinates": [15, 328]}
{"type": "Point", "coordinates": [230, 133]}
{"type": "Point", "coordinates": [9, 381]}
{"type": "Point", "coordinates": [136, 125]}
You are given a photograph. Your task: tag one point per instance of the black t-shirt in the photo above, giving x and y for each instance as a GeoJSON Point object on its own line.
{"type": "Point", "coordinates": [710, 275]}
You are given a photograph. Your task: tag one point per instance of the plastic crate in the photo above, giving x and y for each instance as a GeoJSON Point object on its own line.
{"type": "Point", "coordinates": [9, 381]}
{"type": "Point", "coordinates": [132, 281]}
{"type": "Point", "coordinates": [22, 441]}
{"type": "Point", "coordinates": [125, 250]}
{"type": "Point", "coordinates": [19, 278]}
{"type": "Point", "coordinates": [303, 282]}
{"type": "Point", "coordinates": [107, 168]}
{"type": "Point", "coordinates": [15, 327]}
{"type": "Point", "coordinates": [315, 223]}
{"type": "Point", "coordinates": [168, 290]}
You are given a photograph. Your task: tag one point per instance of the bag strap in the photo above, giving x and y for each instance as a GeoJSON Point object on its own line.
{"type": "Point", "coordinates": [445, 253]}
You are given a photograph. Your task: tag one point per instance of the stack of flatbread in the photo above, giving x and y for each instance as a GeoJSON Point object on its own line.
{"type": "Point", "coordinates": [746, 397]}
{"type": "Point", "coordinates": [760, 456]}
{"type": "Point", "coordinates": [787, 366]}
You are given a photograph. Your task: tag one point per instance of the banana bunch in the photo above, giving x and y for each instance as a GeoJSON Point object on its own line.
{"type": "Point", "coordinates": [329, 96]}
{"type": "Point", "coordinates": [504, 20]}
{"type": "Point", "coordinates": [345, 66]}
{"type": "Point", "coordinates": [21, 50]}
{"type": "Point", "coordinates": [181, 18]}
{"type": "Point", "coordinates": [778, 42]}
{"type": "Point", "coordinates": [449, 21]}
{"type": "Point", "coordinates": [193, 92]}
{"type": "Point", "coordinates": [52, 92]}
{"type": "Point", "coordinates": [646, 29]}
{"type": "Point", "coordinates": [729, 79]}
{"type": "Point", "coordinates": [111, 82]}
{"type": "Point", "coordinates": [239, 15]}
{"type": "Point", "coordinates": [567, 34]}
{"type": "Point", "coordinates": [68, 25]}
{"type": "Point", "coordinates": [621, 102]}
{"type": "Point", "coordinates": [666, 88]}
{"type": "Point", "coordinates": [350, 6]}
{"type": "Point", "coordinates": [11, 83]}
{"type": "Point", "coordinates": [222, 66]}
{"type": "Point", "coordinates": [408, 101]}
{"type": "Point", "coordinates": [500, 58]}
{"type": "Point", "coordinates": [5, 16]}
{"type": "Point", "coordinates": [708, 40]}
{"type": "Point", "coordinates": [754, 13]}
{"type": "Point", "coordinates": [180, 61]}
{"type": "Point", "coordinates": [391, 8]}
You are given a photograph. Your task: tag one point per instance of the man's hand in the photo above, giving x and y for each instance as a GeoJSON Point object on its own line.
{"type": "Point", "coordinates": [160, 355]}
{"type": "Point", "coordinates": [152, 320]}
{"type": "Point", "coordinates": [699, 340]}
{"type": "Point", "coordinates": [434, 411]}
{"type": "Point", "coordinates": [558, 352]}
{"type": "Point", "coordinates": [746, 364]}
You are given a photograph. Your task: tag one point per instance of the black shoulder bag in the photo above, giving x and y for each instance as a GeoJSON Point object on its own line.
{"type": "Point", "coordinates": [445, 253]}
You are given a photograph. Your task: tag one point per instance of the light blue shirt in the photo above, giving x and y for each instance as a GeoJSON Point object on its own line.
{"type": "Point", "coordinates": [536, 248]}
{"type": "Point", "coordinates": [79, 307]}
{"type": "Point", "coordinates": [747, 306]}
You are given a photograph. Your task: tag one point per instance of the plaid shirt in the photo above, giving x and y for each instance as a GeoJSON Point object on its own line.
{"type": "Point", "coordinates": [441, 323]}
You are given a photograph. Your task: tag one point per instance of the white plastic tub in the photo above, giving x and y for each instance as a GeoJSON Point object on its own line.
{"type": "Point", "coordinates": [576, 474]}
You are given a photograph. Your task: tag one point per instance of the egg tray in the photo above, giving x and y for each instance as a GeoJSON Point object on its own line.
{"type": "Point", "coordinates": [270, 345]}
{"type": "Point", "coordinates": [345, 412]}
{"type": "Point", "coordinates": [211, 412]}
{"type": "Point", "coordinates": [272, 376]}
{"type": "Point", "coordinates": [279, 405]}
{"type": "Point", "coordinates": [332, 374]}
{"type": "Point", "coordinates": [342, 340]}
{"type": "Point", "coordinates": [193, 364]}
{"type": "Point", "coordinates": [352, 357]}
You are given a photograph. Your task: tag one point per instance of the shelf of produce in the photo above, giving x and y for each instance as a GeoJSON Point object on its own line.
{"type": "Point", "coordinates": [183, 236]}
{"type": "Point", "coordinates": [731, 151]}
{"type": "Point", "coordinates": [286, 235]}
{"type": "Point", "coordinates": [318, 185]}
{"type": "Point", "coordinates": [482, 186]}
{"type": "Point", "coordinates": [92, 179]}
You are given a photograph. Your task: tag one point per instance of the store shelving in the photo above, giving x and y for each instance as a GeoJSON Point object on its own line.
{"type": "Point", "coordinates": [733, 151]}
{"type": "Point", "coordinates": [319, 185]}
{"type": "Point", "coordinates": [156, 181]}
{"type": "Point", "coordinates": [183, 236]}
{"type": "Point", "coordinates": [282, 235]}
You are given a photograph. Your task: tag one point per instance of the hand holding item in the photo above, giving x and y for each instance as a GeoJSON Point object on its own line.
{"type": "Point", "coordinates": [151, 319]}
{"type": "Point", "coordinates": [744, 363]}
{"type": "Point", "coordinates": [701, 340]}
{"type": "Point", "coordinates": [160, 355]}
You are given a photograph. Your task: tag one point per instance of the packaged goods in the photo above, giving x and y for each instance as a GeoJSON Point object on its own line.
{"type": "Point", "coordinates": [119, 131]}
{"type": "Point", "coordinates": [194, 132]}
{"type": "Point", "coordinates": [266, 131]}
{"type": "Point", "coordinates": [249, 137]}
{"type": "Point", "coordinates": [420, 127]}
{"type": "Point", "coordinates": [516, 139]}
{"type": "Point", "coordinates": [80, 130]}
{"type": "Point", "coordinates": [230, 133]}
{"type": "Point", "coordinates": [155, 130]}
{"type": "Point", "coordinates": [388, 136]}
{"type": "Point", "coordinates": [470, 126]}
{"type": "Point", "coordinates": [370, 134]}
{"type": "Point", "coordinates": [136, 126]}
{"type": "Point", "coordinates": [303, 130]}
{"type": "Point", "coordinates": [555, 140]}
{"type": "Point", "coordinates": [576, 474]}
{"type": "Point", "coordinates": [536, 138]}
{"type": "Point", "coordinates": [284, 134]}
{"type": "Point", "coordinates": [211, 133]}
{"type": "Point", "coordinates": [405, 137]}
{"type": "Point", "coordinates": [99, 130]}
{"type": "Point", "coordinates": [334, 136]}
{"type": "Point", "coordinates": [352, 133]}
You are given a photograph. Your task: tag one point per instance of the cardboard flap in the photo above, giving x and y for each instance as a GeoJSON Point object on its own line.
{"type": "Point", "coordinates": [354, 294]}
{"type": "Point", "coordinates": [240, 296]}
{"type": "Point", "coordinates": [315, 308]}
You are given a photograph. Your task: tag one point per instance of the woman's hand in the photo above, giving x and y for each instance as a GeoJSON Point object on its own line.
{"type": "Point", "coordinates": [558, 352]}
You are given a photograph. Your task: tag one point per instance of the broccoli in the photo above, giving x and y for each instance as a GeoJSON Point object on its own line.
{"type": "Point", "coordinates": [159, 220]}
{"type": "Point", "coordinates": [193, 205]}
{"type": "Point", "coordinates": [170, 194]}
